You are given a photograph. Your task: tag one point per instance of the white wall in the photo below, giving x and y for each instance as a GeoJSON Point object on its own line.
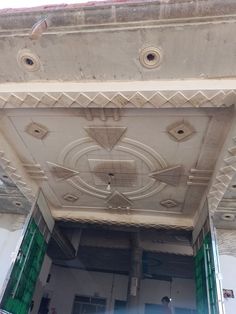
{"type": "Point", "coordinates": [228, 270]}
{"type": "Point", "coordinates": [9, 238]}
{"type": "Point", "coordinates": [65, 283]}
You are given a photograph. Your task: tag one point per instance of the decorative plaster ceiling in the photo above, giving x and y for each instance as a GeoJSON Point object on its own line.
{"type": "Point", "coordinates": [113, 148]}
{"type": "Point", "coordinates": [73, 166]}
{"type": "Point", "coordinates": [11, 199]}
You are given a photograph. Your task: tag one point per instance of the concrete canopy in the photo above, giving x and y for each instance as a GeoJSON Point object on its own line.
{"type": "Point", "coordinates": [122, 113]}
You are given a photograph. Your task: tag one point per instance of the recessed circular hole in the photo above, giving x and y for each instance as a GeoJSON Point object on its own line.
{"type": "Point", "coordinates": [111, 174]}
{"type": "Point", "coordinates": [36, 131]}
{"type": "Point", "coordinates": [180, 131]}
{"type": "Point", "coordinates": [234, 186]}
{"type": "Point", "coordinates": [18, 204]}
{"type": "Point", "coordinates": [29, 61]}
{"type": "Point", "coordinates": [5, 176]}
{"type": "Point", "coordinates": [150, 57]}
{"type": "Point", "coordinates": [228, 217]}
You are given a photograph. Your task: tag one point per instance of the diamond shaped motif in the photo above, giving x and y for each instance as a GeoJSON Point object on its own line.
{"type": "Point", "coordinates": [229, 98]}
{"type": "Point", "coordinates": [181, 131]}
{"type": "Point", "coordinates": [47, 101]}
{"type": "Point", "coordinates": [119, 100]}
{"type": "Point", "coordinates": [178, 99]}
{"type": "Point", "coordinates": [198, 99]}
{"type": "Point", "coordinates": [70, 198]}
{"type": "Point", "coordinates": [64, 101]}
{"type": "Point", "coordinates": [36, 130]}
{"type": "Point", "coordinates": [14, 101]}
{"type": "Point", "coordinates": [83, 100]}
{"type": "Point", "coordinates": [169, 203]}
{"type": "Point", "coordinates": [157, 100]}
{"type": "Point", "coordinates": [101, 100]}
{"type": "Point", "coordinates": [217, 99]}
{"type": "Point", "coordinates": [228, 217]}
{"type": "Point", "coordinates": [30, 101]}
{"type": "Point", "coordinates": [2, 102]}
{"type": "Point", "coordinates": [138, 100]}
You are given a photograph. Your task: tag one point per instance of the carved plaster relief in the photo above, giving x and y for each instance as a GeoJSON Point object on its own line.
{"type": "Point", "coordinates": [223, 177]}
{"type": "Point", "coordinates": [61, 173]}
{"type": "Point", "coordinates": [107, 137]}
{"type": "Point", "coordinates": [157, 99]}
{"type": "Point", "coordinates": [199, 177]}
{"type": "Point", "coordinates": [35, 171]}
{"type": "Point", "coordinates": [118, 200]}
{"type": "Point", "coordinates": [122, 173]}
{"type": "Point", "coordinates": [37, 130]}
{"type": "Point", "coordinates": [169, 203]}
{"type": "Point", "coordinates": [181, 131]}
{"type": "Point", "coordinates": [170, 175]}
{"type": "Point", "coordinates": [73, 153]}
{"type": "Point", "coordinates": [70, 197]}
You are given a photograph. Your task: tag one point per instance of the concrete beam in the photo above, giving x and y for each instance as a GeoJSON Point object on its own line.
{"type": "Point", "coordinates": [143, 94]}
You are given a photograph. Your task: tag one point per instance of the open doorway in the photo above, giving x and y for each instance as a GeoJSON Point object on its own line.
{"type": "Point", "coordinates": [99, 278]}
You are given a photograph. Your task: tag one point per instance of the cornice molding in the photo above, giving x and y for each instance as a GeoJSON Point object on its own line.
{"type": "Point", "coordinates": [147, 94]}
{"type": "Point", "coordinates": [225, 170]}
{"type": "Point", "coordinates": [127, 220]}
{"type": "Point", "coordinates": [14, 169]}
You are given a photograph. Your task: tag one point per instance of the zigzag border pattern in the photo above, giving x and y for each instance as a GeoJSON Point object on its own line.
{"type": "Point", "coordinates": [11, 171]}
{"type": "Point", "coordinates": [223, 178]}
{"type": "Point", "coordinates": [139, 99]}
{"type": "Point", "coordinates": [68, 218]}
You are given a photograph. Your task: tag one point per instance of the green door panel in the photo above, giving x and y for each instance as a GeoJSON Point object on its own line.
{"type": "Point", "coordinates": [207, 302]}
{"type": "Point", "coordinates": [19, 292]}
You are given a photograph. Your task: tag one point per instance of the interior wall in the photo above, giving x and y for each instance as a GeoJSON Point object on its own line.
{"type": "Point", "coordinates": [228, 270]}
{"type": "Point", "coordinates": [65, 283]}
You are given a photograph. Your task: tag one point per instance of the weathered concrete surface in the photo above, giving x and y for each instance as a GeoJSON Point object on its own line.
{"type": "Point", "coordinates": [115, 12]}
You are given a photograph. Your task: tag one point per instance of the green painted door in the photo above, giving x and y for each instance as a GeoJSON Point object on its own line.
{"type": "Point", "coordinates": [20, 288]}
{"type": "Point", "coordinates": [206, 291]}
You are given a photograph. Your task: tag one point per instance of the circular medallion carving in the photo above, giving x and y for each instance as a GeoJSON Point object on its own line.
{"type": "Point", "coordinates": [83, 154]}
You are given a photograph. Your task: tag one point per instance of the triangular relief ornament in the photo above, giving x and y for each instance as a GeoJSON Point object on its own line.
{"type": "Point", "coordinates": [106, 137]}
{"type": "Point", "coordinates": [170, 175]}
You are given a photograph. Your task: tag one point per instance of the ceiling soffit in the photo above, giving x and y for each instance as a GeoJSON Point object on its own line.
{"type": "Point", "coordinates": [151, 183]}
{"type": "Point", "coordinates": [221, 195]}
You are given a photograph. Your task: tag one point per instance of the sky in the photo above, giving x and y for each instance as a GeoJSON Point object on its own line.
{"type": "Point", "coordinates": [5, 4]}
